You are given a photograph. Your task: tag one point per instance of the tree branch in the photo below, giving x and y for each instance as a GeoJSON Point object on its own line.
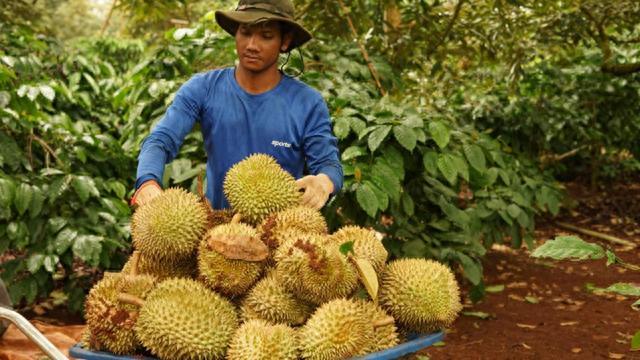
{"type": "Point", "coordinates": [602, 39]}
{"type": "Point", "coordinates": [105, 25]}
{"type": "Point", "coordinates": [365, 54]}
{"type": "Point", "coordinates": [447, 31]}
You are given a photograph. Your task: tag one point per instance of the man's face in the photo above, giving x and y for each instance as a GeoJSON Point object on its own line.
{"type": "Point", "coordinates": [259, 45]}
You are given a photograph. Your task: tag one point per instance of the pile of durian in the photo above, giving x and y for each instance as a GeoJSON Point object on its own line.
{"type": "Point", "coordinates": [263, 281]}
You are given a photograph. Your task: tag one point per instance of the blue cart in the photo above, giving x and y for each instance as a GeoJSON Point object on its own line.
{"type": "Point", "coordinates": [416, 343]}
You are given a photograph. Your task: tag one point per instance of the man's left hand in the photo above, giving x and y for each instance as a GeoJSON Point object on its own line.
{"type": "Point", "coordinates": [317, 189]}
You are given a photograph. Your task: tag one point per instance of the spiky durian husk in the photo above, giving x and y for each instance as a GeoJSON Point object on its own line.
{"type": "Point", "coordinates": [259, 340]}
{"type": "Point", "coordinates": [229, 276]}
{"type": "Point", "coordinates": [365, 245]}
{"type": "Point", "coordinates": [110, 322]}
{"type": "Point", "coordinates": [170, 226]}
{"type": "Point", "coordinates": [422, 295]}
{"type": "Point", "coordinates": [182, 319]}
{"type": "Point", "coordinates": [298, 218]}
{"type": "Point", "coordinates": [385, 336]}
{"type": "Point", "coordinates": [257, 186]}
{"type": "Point", "coordinates": [164, 268]}
{"type": "Point", "coordinates": [269, 300]}
{"type": "Point", "coordinates": [315, 270]}
{"type": "Point", "coordinates": [88, 341]}
{"type": "Point", "coordinates": [338, 329]}
{"type": "Point", "coordinates": [218, 217]}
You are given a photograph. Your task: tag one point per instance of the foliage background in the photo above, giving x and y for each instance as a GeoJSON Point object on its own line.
{"type": "Point", "coordinates": [485, 105]}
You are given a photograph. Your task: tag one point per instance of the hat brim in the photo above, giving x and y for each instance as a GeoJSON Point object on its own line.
{"type": "Point", "coordinates": [231, 20]}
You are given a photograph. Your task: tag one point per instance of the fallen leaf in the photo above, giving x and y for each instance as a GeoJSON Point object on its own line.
{"type": "Point", "coordinates": [516, 297]}
{"type": "Point", "coordinates": [525, 326]}
{"type": "Point", "coordinates": [576, 350]}
{"type": "Point", "coordinates": [526, 346]}
{"type": "Point", "coordinates": [600, 337]}
{"type": "Point", "coordinates": [635, 342]}
{"type": "Point", "coordinates": [479, 314]}
{"type": "Point", "coordinates": [569, 323]}
{"type": "Point", "coordinates": [532, 299]}
{"type": "Point", "coordinates": [616, 356]}
{"type": "Point", "coordinates": [517, 285]}
{"type": "Point", "coordinates": [494, 288]}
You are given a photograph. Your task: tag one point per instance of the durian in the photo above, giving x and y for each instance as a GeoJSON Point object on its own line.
{"type": "Point", "coordinates": [170, 226]}
{"type": "Point", "coordinates": [110, 322]}
{"type": "Point", "coordinates": [422, 295]}
{"type": "Point", "coordinates": [339, 329]}
{"type": "Point", "coordinates": [298, 218]}
{"type": "Point", "coordinates": [258, 186]}
{"type": "Point", "coordinates": [315, 270]}
{"type": "Point", "coordinates": [165, 268]}
{"type": "Point", "coordinates": [182, 319]}
{"type": "Point", "coordinates": [385, 332]}
{"type": "Point", "coordinates": [269, 300]}
{"type": "Point", "coordinates": [259, 340]}
{"type": "Point", "coordinates": [365, 245]}
{"type": "Point", "coordinates": [229, 276]}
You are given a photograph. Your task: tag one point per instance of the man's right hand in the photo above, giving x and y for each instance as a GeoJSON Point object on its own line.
{"type": "Point", "coordinates": [146, 192]}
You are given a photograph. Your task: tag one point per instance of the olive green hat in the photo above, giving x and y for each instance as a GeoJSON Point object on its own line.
{"type": "Point", "coordinates": [254, 11]}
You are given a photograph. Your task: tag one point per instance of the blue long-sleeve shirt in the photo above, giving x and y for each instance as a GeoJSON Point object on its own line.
{"type": "Point", "coordinates": [290, 122]}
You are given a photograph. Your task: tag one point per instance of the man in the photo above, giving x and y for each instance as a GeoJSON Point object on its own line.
{"type": "Point", "coordinates": [252, 108]}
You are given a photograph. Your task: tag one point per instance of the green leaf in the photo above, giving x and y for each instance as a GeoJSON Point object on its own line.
{"type": "Point", "coordinates": [367, 200]}
{"type": "Point", "coordinates": [22, 198]}
{"type": "Point", "coordinates": [472, 269]}
{"type": "Point", "coordinates": [475, 155]}
{"type": "Point", "coordinates": [92, 82]}
{"type": "Point", "coordinates": [341, 128]}
{"type": "Point", "coordinates": [118, 188]}
{"type": "Point", "coordinates": [440, 133]}
{"type": "Point", "coordinates": [346, 248]}
{"type": "Point", "coordinates": [407, 204]}
{"type": "Point", "coordinates": [568, 247]}
{"type": "Point", "coordinates": [377, 137]}
{"type": "Point", "coordinates": [635, 341]}
{"type": "Point", "coordinates": [461, 166]}
{"type": "Point", "coordinates": [37, 200]}
{"type": "Point", "coordinates": [513, 210]}
{"type": "Point", "coordinates": [7, 192]}
{"type": "Point", "coordinates": [85, 187]}
{"type": "Point", "coordinates": [50, 262]}
{"type": "Point", "coordinates": [353, 152]}
{"type": "Point", "coordinates": [385, 178]}
{"type": "Point", "coordinates": [446, 166]}
{"type": "Point", "coordinates": [611, 257]}
{"type": "Point", "coordinates": [625, 289]}
{"type": "Point", "coordinates": [430, 162]}
{"type": "Point", "coordinates": [494, 289]}
{"type": "Point", "coordinates": [479, 314]}
{"type": "Point", "coordinates": [88, 248]}
{"type": "Point", "coordinates": [47, 92]}
{"type": "Point", "coordinates": [532, 299]}
{"type": "Point", "coordinates": [64, 240]}
{"type": "Point", "coordinates": [381, 196]}
{"type": "Point", "coordinates": [34, 263]}
{"type": "Point", "coordinates": [405, 136]}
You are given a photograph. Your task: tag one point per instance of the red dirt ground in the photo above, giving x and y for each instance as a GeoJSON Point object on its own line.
{"type": "Point", "coordinates": [567, 321]}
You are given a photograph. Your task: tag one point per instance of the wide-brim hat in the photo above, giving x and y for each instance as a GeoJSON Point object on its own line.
{"type": "Point", "coordinates": [256, 11]}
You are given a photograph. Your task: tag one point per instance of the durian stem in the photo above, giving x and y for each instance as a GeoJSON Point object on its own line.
{"type": "Point", "coordinates": [135, 259]}
{"type": "Point", "coordinates": [384, 322]}
{"type": "Point", "coordinates": [130, 299]}
{"type": "Point", "coordinates": [236, 218]}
